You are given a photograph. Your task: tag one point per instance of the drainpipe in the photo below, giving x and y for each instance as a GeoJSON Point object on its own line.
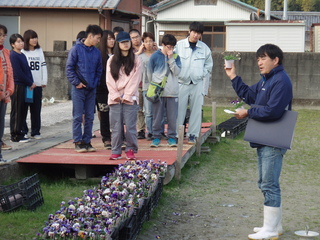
{"type": "Point", "coordinates": [267, 9]}
{"type": "Point", "coordinates": [285, 10]}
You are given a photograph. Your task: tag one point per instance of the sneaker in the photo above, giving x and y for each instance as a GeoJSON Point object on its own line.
{"type": "Point", "coordinates": [141, 135]}
{"type": "Point", "coordinates": [24, 140]}
{"type": "Point", "coordinates": [149, 137]}
{"type": "Point", "coordinates": [2, 161]}
{"type": "Point", "coordinates": [123, 146]}
{"type": "Point", "coordinates": [163, 136]}
{"type": "Point", "coordinates": [90, 148]}
{"type": "Point", "coordinates": [172, 142]}
{"type": "Point", "coordinates": [130, 155]}
{"type": "Point", "coordinates": [36, 137]}
{"type": "Point", "coordinates": [5, 146]}
{"type": "Point", "coordinates": [155, 142]}
{"type": "Point", "coordinates": [192, 139]}
{"type": "Point", "coordinates": [115, 157]}
{"type": "Point", "coordinates": [80, 147]}
{"type": "Point", "coordinates": [107, 145]}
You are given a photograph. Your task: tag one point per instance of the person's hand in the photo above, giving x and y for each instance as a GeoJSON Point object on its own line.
{"type": "Point", "coordinates": [6, 94]}
{"type": "Point", "coordinates": [141, 49]}
{"type": "Point", "coordinates": [231, 72]}
{"type": "Point", "coordinates": [33, 86]}
{"type": "Point", "coordinates": [170, 53]}
{"type": "Point", "coordinates": [43, 86]}
{"type": "Point", "coordinates": [81, 85]}
{"type": "Point", "coordinates": [241, 113]}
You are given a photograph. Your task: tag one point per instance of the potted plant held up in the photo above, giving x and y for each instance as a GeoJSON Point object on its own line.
{"type": "Point", "coordinates": [229, 58]}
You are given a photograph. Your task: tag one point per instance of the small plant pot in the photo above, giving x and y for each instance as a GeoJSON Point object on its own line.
{"type": "Point", "coordinates": [228, 63]}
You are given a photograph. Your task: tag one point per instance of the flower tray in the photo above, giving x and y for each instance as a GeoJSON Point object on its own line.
{"type": "Point", "coordinates": [31, 192]}
{"type": "Point", "coordinates": [134, 224]}
{"type": "Point", "coordinates": [10, 197]}
{"type": "Point", "coordinates": [154, 199]}
{"type": "Point", "coordinates": [232, 127]}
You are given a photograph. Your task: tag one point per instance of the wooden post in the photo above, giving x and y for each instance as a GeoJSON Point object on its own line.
{"type": "Point", "coordinates": [214, 119]}
{"type": "Point", "coordinates": [177, 172]}
{"type": "Point", "coordinates": [198, 142]}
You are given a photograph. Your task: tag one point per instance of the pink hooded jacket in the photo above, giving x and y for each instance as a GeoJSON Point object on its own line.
{"type": "Point", "coordinates": [126, 87]}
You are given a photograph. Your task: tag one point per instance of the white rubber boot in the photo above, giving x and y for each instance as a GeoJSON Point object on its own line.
{"type": "Point", "coordinates": [279, 227]}
{"type": "Point", "coordinates": [271, 217]}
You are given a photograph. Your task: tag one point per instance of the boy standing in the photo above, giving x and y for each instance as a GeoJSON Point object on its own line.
{"type": "Point", "coordinates": [84, 68]}
{"type": "Point", "coordinates": [161, 64]}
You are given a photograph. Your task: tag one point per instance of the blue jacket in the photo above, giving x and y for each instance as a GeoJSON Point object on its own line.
{"type": "Point", "coordinates": [86, 62]}
{"type": "Point", "coordinates": [157, 68]}
{"type": "Point", "coordinates": [273, 94]}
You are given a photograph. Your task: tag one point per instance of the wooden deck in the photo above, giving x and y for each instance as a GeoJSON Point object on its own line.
{"type": "Point", "coordinates": [64, 154]}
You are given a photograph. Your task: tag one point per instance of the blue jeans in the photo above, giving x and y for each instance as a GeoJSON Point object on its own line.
{"type": "Point", "coordinates": [147, 108]}
{"type": "Point", "coordinates": [83, 103]}
{"type": "Point", "coordinates": [269, 167]}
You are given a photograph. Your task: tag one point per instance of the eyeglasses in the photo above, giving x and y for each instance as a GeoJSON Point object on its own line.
{"type": "Point", "coordinates": [3, 35]}
{"type": "Point", "coordinates": [136, 37]}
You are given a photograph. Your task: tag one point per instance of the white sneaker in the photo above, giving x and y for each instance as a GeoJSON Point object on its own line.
{"type": "Point", "coordinates": [24, 140]}
{"type": "Point", "coordinates": [36, 137]}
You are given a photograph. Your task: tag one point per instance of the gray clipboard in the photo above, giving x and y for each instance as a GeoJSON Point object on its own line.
{"type": "Point", "coordinates": [277, 133]}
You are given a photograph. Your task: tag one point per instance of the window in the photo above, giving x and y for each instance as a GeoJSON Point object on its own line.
{"type": "Point", "coordinates": [215, 37]}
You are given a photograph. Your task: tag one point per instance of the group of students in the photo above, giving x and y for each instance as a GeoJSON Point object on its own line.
{"type": "Point", "coordinates": [115, 77]}
{"type": "Point", "coordinates": [23, 75]}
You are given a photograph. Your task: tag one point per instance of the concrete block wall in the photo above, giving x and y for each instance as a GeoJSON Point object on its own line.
{"type": "Point", "coordinates": [303, 68]}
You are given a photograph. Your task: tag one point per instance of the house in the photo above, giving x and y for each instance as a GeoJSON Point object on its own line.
{"type": "Point", "coordinates": [62, 20]}
{"type": "Point", "coordinates": [175, 16]}
{"type": "Point", "coordinates": [224, 20]}
{"type": "Point", "coordinates": [311, 19]}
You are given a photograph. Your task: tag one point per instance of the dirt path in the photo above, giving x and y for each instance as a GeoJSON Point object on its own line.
{"type": "Point", "coordinates": [225, 203]}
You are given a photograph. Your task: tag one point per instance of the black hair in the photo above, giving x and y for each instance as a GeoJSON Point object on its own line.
{"type": "Point", "coordinates": [81, 35]}
{"type": "Point", "coordinates": [119, 60]}
{"type": "Point", "coordinates": [94, 30]}
{"type": "Point", "coordinates": [14, 37]}
{"type": "Point", "coordinates": [169, 39]}
{"type": "Point", "coordinates": [134, 30]}
{"type": "Point", "coordinates": [27, 36]}
{"type": "Point", "coordinates": [4, 28]}
{"type": "Point", "coordinates": [103, 46]}
{"type": "Point", "coordinates": [117, 29]}
{"type": "Point", "coordinates": [270, 50]}
{"type": "Point", "coordinates": [147, 34]}
{"type": "Point", "coordinates": [196, 27]}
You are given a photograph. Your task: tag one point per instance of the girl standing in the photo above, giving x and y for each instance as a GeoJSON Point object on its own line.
{"type": "Point", "coordinates": [106, 48]}
{"type": "Point", "coordinates": [123, 78]}
{"type": "Point", "coordinates": [22, 78]}
{"type": "Point", "coordinates": [6, 83]}
{"type": "Point", "coordinates": [38, 66]}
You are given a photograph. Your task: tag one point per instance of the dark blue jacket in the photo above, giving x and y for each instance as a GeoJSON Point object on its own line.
{"type": "Point", "coordinates": [21, 71]}
{"type": "Point", "coordinates": [86, 62]}
{"type": "Point", "coordinates": [273, 94]}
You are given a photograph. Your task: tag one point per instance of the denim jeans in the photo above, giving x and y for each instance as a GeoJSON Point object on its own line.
{"type": "Point", "coordinates": [147, 108]}
{"type": "Point", "coordinates": [269, 168]}
{"type": "Point", "coordinates": [83, 103]}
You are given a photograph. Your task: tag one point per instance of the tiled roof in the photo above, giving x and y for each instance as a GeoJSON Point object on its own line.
{"type": "Point", "coordinates": [60, 3]}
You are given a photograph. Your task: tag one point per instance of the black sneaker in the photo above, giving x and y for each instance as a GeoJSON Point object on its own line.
{"type": "Point", "coordinates": [107, 145]}
{"type": "Point", "coordinates": [141, 135]}
{"type": "Point", "coordinates": [90, 148]}
{"type": "Point", "coordinates": [149, 137]}
{"type": "Point", "coordinates": [24, 140]}
{"type": "Point", "coordinates": [163, 136]}
{"type": "Point", "coordinates": [80, 147]}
